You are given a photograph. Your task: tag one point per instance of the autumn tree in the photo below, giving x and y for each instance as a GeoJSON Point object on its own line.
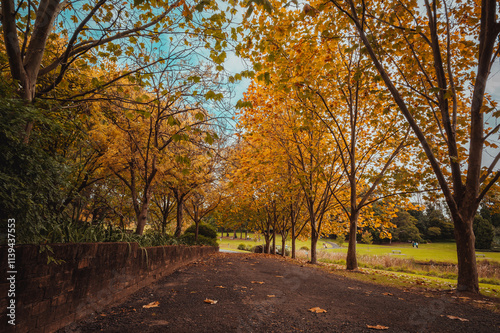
{"type": "Point", "coordinates": [435, 59]}
{"type": "Point", "coordinates": [93, 31]}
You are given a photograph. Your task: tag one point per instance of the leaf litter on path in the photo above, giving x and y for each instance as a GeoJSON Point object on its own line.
{"type": "Point", "coordinates": [377, 327]}
{"type": "Point", "coordinates": [210, 301]}
{"type": "Point", "coordinates": [152, 305]}
{"type": "Point", "coordinates": [317, 309]}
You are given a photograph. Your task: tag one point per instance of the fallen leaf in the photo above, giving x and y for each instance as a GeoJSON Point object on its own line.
{"type": "Point", "coordinates": [259, 282]}
{"type": "Point", "coordinates": [388, 294]}
{"type": "Point", "coordinates": [457, 318]}
{"type": "Point", "coordinates": [222, 287]}
{"type": "Point", "coordinates": [279, 276]}
{"type": "Point", "coordinates": [210, 301]}
{"type": "Point", "coordinates": [271, 296]}
{"type": "Point", "coordinates": [378, 327]}
{"type": "Point", "coordinates": [152, 305]}
{"type": "Point", "coordinates": [317, 310]}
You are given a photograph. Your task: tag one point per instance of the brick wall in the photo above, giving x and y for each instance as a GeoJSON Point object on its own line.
{"type": "Point", "coordinates": [92, 276]}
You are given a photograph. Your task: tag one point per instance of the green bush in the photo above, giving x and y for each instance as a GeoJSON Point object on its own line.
{"type": "Point", "coordinates": [31, 176]}
{"type": "Point", "coordinates": [287, 251]}
{"type": "Point", "coordinates": [304, 248]}
{"type": "Point", "coordinates": [242, 247]}
{"type": "Point", "coordinates": [203, 229]}
{"type": "Point", "coordinates": [484, 232]}
{"type": "Point", "coordinates": [189, 239]}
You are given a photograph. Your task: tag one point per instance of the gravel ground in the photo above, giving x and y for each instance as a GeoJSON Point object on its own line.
{"type": "Point", "coordinates": [264, 293]}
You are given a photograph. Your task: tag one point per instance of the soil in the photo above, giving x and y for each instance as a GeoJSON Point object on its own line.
{"type": "Point", "coordinates": [264, 293]}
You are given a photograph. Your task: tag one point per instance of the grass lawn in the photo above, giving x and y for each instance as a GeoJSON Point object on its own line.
{"type": "Point", "coordinates": [438, 252]}
{"type": "Point", "coordinates": [227, 243]}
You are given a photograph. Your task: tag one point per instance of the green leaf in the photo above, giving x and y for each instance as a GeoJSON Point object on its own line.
{"type": "Point", "coordinates": [209, 139]}
{"type": "Point", "coordinates": [243, 104]}
{"type": "Point", "coordinates": [200, 116]}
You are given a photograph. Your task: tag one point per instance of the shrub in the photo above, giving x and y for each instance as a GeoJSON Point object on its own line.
{"type": "Point", "coordinates": [367, 237]}
{"type": "Point", "coordinates": [189, 239]}
{"type": "Point", "coordinates": [258, 249]}
{"type": "Point", "coordinates": [304, 248]}
{"type": "Point", "coordinates": [242, 247]}
{"type": "Point", "coordinates": [203, 229]}
{"type": "Point", "coordinates": [340, 240]}
{"type": "Point", "coordinates": [484, 232]}
{"type": "Point", "coordinates": [278, 251]}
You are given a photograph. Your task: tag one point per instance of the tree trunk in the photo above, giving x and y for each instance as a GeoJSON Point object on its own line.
{"type": "Point", "coordinates": [351, 259]}
{"type": "Point", "coordinates": [180, 208]}
{"type": "Point", "coordinates": [314, 237]}
{"type": "Point", "coordinates": [293, 240]}
{"type": "Point", "coordinates": [314, 242]}
{"type": "Point", "coordinates": [196, 229]}
{"type": "Point", "coordinates": [274, 241]}
{"type": "Point", "coordinates": [466, 254]}
{"type": "Point", "coordinates": [142, 218]}
{"type": "Point", "coordinates": [283, 245]}
{"type": "Point", "coordinates": [268, 243]}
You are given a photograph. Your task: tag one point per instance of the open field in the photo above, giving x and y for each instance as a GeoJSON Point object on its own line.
{"type": "Point", "coordinates": [437, 252]}
{"type": "Point", "coordinates": [440, 252]}
{"type": "Point", "coordinates": [434, 263]}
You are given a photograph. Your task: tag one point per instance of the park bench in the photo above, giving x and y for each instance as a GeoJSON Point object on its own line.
{"type": "Point", "coordinates": [479, 254]}
{"type": "Point", "coordinates": [396, 251]}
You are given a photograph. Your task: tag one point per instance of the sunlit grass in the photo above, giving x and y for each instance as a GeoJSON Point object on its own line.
{"type": "Point", "coordinates": [440, 252]}
{"type": "Point", "coordinates": [399, 264]}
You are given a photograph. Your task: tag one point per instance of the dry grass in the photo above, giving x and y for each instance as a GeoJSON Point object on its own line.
{"type": "Point", "coordinates": [488, 271]}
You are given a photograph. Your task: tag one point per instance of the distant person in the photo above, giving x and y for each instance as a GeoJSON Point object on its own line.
{"type": "Point", "coordinates": [416, 245]}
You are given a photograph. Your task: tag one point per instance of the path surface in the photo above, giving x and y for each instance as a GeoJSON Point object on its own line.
{"type": "Point", "coordinates": [262, 293]}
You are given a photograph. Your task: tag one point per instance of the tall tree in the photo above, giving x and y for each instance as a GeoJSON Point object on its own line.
{"type": "Point", "coordinates": [427, 55]}
{"type": "Point", "coordinates": [94, 31]}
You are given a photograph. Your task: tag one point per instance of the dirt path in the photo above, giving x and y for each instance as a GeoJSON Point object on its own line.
{"type": "Point", "coordinates": [260, 293]}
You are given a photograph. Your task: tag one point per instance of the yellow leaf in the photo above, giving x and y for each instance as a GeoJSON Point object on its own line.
{"type": "Point", "coordinates": [317, 310]}
{"type": "Point", "coordinates": [258, 282]}
{"type": "Point", "coordinates": [271, 296]}
{"type": "Point", "coordinates": [210, 301]}
{"type": "Point", "coordinates": [378, 327]}
{"type": "Point", "coordinates": [222, 287]}
{"type": "Point", "coordinates": [152, 305]}
{"type": "Point", "coordinates": [457, 318]}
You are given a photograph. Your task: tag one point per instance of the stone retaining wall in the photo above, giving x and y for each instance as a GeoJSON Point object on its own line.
{"type": "Point", "coordinates": [89, 277]}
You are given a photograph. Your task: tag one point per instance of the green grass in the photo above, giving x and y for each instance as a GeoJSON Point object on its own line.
{"type": "Point", "coordinates": [438, 252]}
{"type": "Point", "coordinates": [232, 244]}
{"type": "Point", "coordinates": [384, 264]}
